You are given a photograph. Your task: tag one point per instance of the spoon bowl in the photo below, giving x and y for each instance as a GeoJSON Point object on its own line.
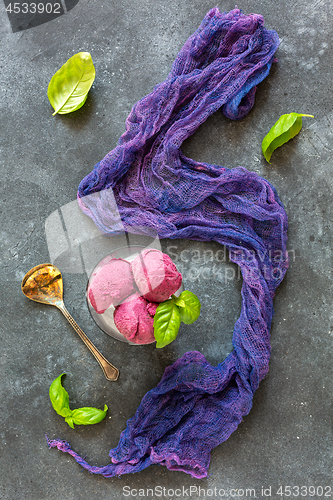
{"type": "Point", "coordinates": [44, 284]}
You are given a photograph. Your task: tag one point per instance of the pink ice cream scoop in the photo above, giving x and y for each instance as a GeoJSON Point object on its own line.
{"type": "Point", "coordinates": [155, 275]}
{"type": "Point", "coordinates": [111, 284]}
{"type": "Point", "coordinates": [134, 318]}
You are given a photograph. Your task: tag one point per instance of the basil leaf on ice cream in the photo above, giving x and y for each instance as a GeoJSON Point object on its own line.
{"type": "Point", "coordinates": [166, 323]}
{"type": "Point", "coordinates": [190, 312]}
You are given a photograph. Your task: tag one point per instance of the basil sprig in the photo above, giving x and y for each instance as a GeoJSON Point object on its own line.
{"type": "Point", "coordinates": [282, 131]}
{"type": "Point", "coordinates": [81, 416]}
{"type": "Point", "coordinates": [170, 313]}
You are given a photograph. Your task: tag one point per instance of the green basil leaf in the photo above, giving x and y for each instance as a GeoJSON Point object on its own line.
{"type": "Point", "coordinates": [191, 312]}
{"type": "Point", "coordinates": [59, 397]}
{"type": "Point", "coordinates": [166, 323]}
{"type": "Point", "coordinates": [282, 131]}
{"type": "Point", "coordinates": [178, 301]}
{"type": "Point", "coordinates": [69, 86]}
{"type": "Point", "coordinates": [88, 415]}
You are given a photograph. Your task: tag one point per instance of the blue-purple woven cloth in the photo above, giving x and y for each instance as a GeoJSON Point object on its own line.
{"type": "Point", "coordinates": [196, 406]}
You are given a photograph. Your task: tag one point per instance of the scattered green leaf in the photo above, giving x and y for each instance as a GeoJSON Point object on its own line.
{"type": "Point", "coordinates": [69, 86]}
{"type": "Point", "coordinates": [87, 415]}
{"type": "Point", "coordinates": [282, 131]}
{"type": "Point", "coordinates": [59, 397]}
{"type": "Point", "coordinates": [80, 416]}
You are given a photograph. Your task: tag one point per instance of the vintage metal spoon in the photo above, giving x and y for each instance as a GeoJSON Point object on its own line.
{"type": "Point", "coordinates": [44, 284]}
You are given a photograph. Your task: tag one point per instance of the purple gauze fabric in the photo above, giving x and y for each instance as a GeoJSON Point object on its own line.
{"type": "Point", "coordinates": [196, 406]}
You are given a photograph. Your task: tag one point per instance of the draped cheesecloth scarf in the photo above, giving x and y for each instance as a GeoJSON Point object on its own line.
{"type": "Point", "coordinates": [197, 406]}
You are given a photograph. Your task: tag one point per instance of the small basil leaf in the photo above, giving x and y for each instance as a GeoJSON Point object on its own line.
{"type": "Point", "coordinates": [69, 86]}
{"type": "Point", "coordinates": [191, 312]}
{"type": "Point", "coordinates": [166, 323]}
{"type": "Point", "coordinates": [88, 415]}
{"type": "Point", "coordinates": [59, 397]}
{"type": "Point", "coordinates": [282, 131]}
{"type": "Point", "coordinates": [178, 301]}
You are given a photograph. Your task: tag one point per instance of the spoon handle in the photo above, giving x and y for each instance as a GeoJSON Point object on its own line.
{"type": "Point", "coordinates": [110, 371]}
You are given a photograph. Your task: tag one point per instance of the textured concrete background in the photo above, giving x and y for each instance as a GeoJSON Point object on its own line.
{"type": "Point", "coordinates": [287, 438]}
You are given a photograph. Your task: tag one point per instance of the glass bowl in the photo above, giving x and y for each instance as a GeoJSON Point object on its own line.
{"type": "Point", "coordinates": [105, 320]}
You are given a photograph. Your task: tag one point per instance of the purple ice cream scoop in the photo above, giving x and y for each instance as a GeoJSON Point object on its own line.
{"type": "Point", "coordinates": [111, 284]}
{"type": "Point", "coordinates": [134, 318]}
{"type": "Point", "coordinates": [155, 275]}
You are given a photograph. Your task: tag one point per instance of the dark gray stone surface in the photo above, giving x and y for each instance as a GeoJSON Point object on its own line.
{"type": "Point", "coordinates": [287, 437]}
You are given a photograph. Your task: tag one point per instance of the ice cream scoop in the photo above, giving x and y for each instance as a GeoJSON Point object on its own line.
{"type": "Point", "coordinates": [155, 275]}
{"type": "Point", "coordinates": [110, 284]}
{"type": "Point", "coordinates": [134, 318]}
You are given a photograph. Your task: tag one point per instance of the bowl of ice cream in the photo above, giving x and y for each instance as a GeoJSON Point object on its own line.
{"type": "Point", "coordinates": [125, 289]}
